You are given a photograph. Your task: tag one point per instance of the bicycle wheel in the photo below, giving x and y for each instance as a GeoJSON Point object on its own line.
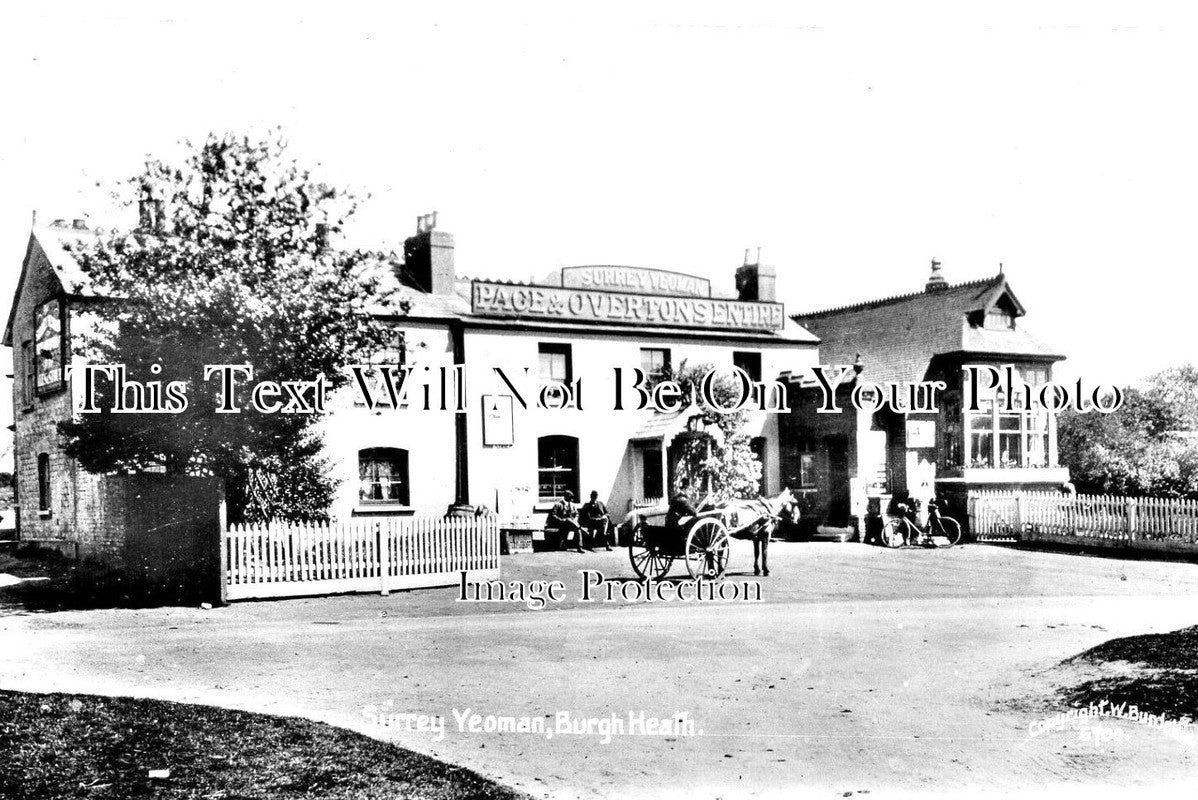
{"type": "Point", "coordinates": [950, 529]}
{"type": "Point", "coordinates": [894, 533]}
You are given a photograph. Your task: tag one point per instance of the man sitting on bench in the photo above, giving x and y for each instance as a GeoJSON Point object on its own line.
{"type": "Point", "coordinates": [564, 517]}
{"type": "Point", "coordinates": [596, 521]}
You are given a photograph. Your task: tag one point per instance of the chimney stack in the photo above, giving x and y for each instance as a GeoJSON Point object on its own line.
{"type": "Point", "coordinates": [756, 281]}
{"type": "Point", "coordinates": [936, 281]}
{"type": "Point", "coordinates": [428, 257]}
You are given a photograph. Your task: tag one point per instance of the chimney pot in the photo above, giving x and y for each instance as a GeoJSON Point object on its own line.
{"type": "Point", "coordinates": [756, 282]}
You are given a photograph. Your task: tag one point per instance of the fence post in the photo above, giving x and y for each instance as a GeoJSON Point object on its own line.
{"type": "Point", "coordinates": [223, 546]}
{"type": "Point", "coordinates": [1131, 520]}
{"type": "Point", "coordinates": [381, 542]}
{"type": "Point", "coordinates": [1018, 516]}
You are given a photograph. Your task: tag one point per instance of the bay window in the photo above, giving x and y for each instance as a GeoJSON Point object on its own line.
{"type": "Point", "coordinates": [1009, 440]}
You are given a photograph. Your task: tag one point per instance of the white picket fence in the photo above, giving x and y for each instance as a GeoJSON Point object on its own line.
{"type": "Point", "coordinates": [1147, 523]}
{"type": "Point", "coordinates": [359, 555]}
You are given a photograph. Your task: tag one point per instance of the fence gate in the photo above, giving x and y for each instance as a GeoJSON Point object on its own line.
{"type": "Point", "coordinates": [361, 555]}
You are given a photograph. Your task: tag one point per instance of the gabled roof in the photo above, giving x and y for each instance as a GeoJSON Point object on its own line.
{"type": "Point", "coordinates": [898, 337]}
{"type": "Point", "coordinates": [52, 243]}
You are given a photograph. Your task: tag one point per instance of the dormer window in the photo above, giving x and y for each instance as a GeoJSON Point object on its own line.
{"type": "Point", "coordinates": [999, 319]}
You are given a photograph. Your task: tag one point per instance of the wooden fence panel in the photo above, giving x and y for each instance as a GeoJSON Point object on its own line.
{"type": "Point", "coordinates": [386, 554]}
{"type": "Point", "coordinates": [1148, 523]}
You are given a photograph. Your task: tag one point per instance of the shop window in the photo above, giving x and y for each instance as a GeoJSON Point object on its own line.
{"type": "Point", "coordinates": [750, 363]}
{"type": "Point", "coordinates": [28, 375]}
{"type": "Point", "coordinates": [651, 474]}
{"type": "Point", "coordinates": [43, 481]}
{"type": "Point", "coordinates": [1007, 441]}
{"type": "Point", "coordinates": [557, 467]}
{"type": "Point", "coordinates": [1010, 441]}
{"type": "Point", "coordinates": [1036, 451]}
{"type": "Point", "coordinates": [953, 436]}
{"type": "Point", "coordinates": [555, 362]}
{"type": "Point", "coordinates": [49, 345]}
{"type": "Point", "coordinates": [655, 363]}
{"type": "Point", "coordinates": [383, 476]}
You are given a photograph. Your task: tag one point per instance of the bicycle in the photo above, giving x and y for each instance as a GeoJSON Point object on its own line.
{"type": "Point", "coordinates": [902, 529]}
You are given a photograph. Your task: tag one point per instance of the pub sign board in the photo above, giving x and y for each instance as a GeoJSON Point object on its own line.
{"type": "Point", "coordinates": [577, 305]}
{"type": "Point", "coordinates": [637, 280]}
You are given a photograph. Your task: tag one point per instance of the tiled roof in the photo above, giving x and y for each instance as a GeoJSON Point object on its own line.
{"type": "Point", "coordinates": [898, 337]}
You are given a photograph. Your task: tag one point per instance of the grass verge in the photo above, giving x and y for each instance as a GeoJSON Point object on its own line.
{"type": "Point", "coordinates": [1164, 679]}
{"type": "Point", "coordinates": [56, 746]}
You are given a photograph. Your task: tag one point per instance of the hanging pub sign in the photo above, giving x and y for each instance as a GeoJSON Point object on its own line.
{"type": "Point", "coordinates": [575, 305]}
{"type": "Point", "coordinates": [638, 280]}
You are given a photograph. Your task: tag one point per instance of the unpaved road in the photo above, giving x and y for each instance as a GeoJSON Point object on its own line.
{"type": "Point", "coordinates": [863, 670]}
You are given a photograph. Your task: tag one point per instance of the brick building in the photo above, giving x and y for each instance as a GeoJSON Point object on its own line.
{"type": "Point", "coordinates": [845, 464]}
{"type": "Point", "coordinates": [152, 520]}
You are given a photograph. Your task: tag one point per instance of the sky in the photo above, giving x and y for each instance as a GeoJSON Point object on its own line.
{"type": "Point", "coordinates": [851, 142]}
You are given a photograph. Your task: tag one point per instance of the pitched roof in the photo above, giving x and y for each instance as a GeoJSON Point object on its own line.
{"type": "Point", "coordinates": [898, 337]}
{"type": "Point", "coordinates": [52, 244]}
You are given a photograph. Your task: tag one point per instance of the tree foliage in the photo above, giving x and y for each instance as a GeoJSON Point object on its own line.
{"type": "Point", "coordinates": [725, 464]}
{"type": "Point", "coordinates": [1148, 447]}
{"type": "Point", "coordinates": [230, 266]}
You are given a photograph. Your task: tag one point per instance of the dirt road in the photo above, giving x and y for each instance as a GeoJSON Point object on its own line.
{"type": "Point", "coordinates": [863, 670]}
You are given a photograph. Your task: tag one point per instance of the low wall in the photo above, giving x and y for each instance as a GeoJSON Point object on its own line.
{"type": "Point", "coordinates": [159, 530]}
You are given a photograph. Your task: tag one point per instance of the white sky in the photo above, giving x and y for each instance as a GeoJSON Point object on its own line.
{"type": "Point", "coordinates": [852, 142]}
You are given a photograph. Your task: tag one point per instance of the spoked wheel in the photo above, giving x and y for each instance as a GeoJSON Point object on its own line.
{"type": "Point", "coordinates": [647, 562]}
{"type": "Point", "coordinates": [707, 548]}
{"type": "Point", "coordinates": [950, 529]}
{"type": "Point", "coordinates": [892, 533]}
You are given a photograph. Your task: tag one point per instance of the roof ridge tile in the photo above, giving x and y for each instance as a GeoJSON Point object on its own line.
{"type": "Point", "coordinates": [868, 304]}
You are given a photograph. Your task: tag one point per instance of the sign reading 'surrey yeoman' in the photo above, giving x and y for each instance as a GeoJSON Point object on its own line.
{"type": "Point", "coordinates": [576, 305]}
{"type": "Point", "coordinates": [640, 280]}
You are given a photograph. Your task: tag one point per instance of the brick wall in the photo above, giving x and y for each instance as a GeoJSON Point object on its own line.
{"type": "Point", "coordinates": [159, 526]}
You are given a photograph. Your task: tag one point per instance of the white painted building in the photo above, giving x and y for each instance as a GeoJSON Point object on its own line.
{"type": "Point", "coordinates": [578, 325]}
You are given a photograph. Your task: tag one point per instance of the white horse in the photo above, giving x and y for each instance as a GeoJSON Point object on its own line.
{"type": "Point", "coordinates": [756, 520]}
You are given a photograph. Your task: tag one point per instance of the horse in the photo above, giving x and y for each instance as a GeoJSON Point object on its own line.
{"type": "Point", "coordinates": [756, 520]}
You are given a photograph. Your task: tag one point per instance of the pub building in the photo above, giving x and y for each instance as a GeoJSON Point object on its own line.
{"type": "Point", "coordinates": [497, 350]}
{"type": "Point", "coordinates": [570, 329]}
{"type": "Point", "coordinates": [850, 467]}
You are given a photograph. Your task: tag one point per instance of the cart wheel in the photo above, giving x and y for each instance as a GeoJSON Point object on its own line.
{"type": "Point", "coordinates": [892, 533]}
{"type": "Point", "coordinates": [647, 562]}
{"type": "Point", "coordinates": [707, 548]}
{"type": "Point", "coordinates": [950, 529]}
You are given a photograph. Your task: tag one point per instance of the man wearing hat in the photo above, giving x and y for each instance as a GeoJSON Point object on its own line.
{"type": "Point", "coordinates": [564, 517]}
{"type": "Point", "coordinates": [596, 521]}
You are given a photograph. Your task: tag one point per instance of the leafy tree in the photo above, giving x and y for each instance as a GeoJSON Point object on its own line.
{"type": "Point", "coordinates": [231, 265]}
{"type": "Point", "coordinates": [1148, 447]}
{"type": "Point", "coordinates": [726, 464]}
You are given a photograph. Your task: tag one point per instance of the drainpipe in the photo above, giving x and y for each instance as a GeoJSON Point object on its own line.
{"type": "Point", "coordinates": [461, 477]}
